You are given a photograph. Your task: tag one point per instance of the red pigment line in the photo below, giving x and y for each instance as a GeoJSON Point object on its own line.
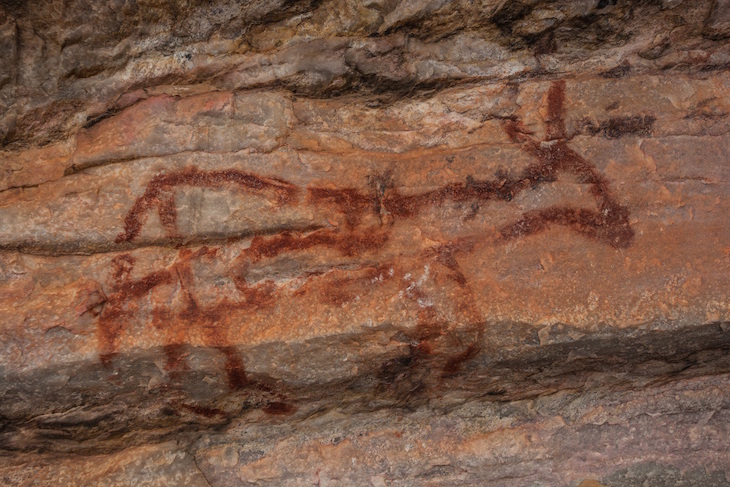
{"type": "Point", "coordinates": [152, 197]}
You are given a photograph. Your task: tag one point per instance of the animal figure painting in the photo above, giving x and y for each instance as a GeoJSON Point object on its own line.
{"type": "Point", "coordinates": [607, 224]}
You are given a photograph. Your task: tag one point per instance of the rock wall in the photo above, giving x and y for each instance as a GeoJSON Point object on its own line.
{"type": "Point", "coordinates": [365, 243]}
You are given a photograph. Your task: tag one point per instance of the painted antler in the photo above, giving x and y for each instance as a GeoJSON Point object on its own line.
{"type": "Point", "coordinates": [609, 224]}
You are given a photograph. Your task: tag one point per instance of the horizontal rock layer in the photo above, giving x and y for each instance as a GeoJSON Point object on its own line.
{"type": "Point", "coordinates": [670, 434]}
{"type": "Point", "coordinates": [391, 243]}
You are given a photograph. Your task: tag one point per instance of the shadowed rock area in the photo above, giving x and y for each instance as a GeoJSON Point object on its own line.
{"type": "Point", "coordinates": [378, 243]}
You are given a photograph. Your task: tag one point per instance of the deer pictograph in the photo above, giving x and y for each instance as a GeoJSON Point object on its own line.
{"type": "Point", "coordinates": [608, 224]}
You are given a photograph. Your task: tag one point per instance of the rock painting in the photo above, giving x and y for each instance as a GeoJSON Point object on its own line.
{"type": "Point", "coordinates": [607, 224]}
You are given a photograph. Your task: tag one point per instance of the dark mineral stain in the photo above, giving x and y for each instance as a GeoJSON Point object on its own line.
{"type": "Point", "coordinates": [544, 44]}
{"type": "Point", "coordinates": [617, 72]}
{"type": "Point", "coordinates": [205, 411]}
{"type": "Point", "coordinates": [605, 3]}
{"type": "Point", "coordinates": [278, 408]}
{"type": "Point", "coordinates": [90, 122]}
{"type": "Point", "coordinates": [508, 15]}
{"type": "Point", "coordinates": [619, 126]}
{"type": "Point", "coordinates": [616, 127]}
{"type": "Point", "coordinates": [393, 369]}
{"type": "Point", "coordinates": [168, 411]}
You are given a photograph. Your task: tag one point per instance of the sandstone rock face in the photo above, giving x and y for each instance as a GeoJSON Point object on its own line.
{"type": "Point", "coordinates": [365, 243]}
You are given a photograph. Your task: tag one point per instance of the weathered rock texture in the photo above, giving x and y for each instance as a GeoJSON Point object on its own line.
{"type": "Point", "coordinates": [365, 243]}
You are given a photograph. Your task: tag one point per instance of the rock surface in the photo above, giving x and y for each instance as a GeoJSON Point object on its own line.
{"type": "Point", "coordinates": [365, 243]}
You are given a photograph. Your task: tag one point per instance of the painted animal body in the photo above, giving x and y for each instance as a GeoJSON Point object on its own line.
{"type": "Point", "coordinates": [608, 224]}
